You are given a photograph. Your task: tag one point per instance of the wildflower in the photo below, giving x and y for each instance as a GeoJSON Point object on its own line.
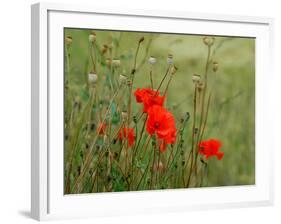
{"type": "Point", "coordinates": [162, 123]}
{"type": "Point", "coordinates": [127, 133]}
{"type": "Point", "coordinates": [210, 148]}
{"type": "Point", "coordinates": [92, 37]}
{"type": "Point", "coordinates": [149, 98]}
{"type": "Point", "coordinates": [152, 60]}
{"type": "Point", "coordinates": [101, 128]}
{"type": "Point", "coordinates": [92, 78]}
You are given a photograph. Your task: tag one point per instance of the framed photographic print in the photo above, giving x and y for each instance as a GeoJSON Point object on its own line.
{"type": "Point", "coordinates": [148, 111]}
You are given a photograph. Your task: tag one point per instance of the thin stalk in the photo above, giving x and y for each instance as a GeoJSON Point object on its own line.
{"type": "Point", "coordinates": [193, 135]}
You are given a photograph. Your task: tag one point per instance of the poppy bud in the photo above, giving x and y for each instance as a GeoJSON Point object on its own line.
{"type": "Point", "coordinates": [141, 40]}
{"type": "Point", "coordinates": [92, 37]}
{"type": "Point", "coordinates": [209, 41]}
{"type": "Point", "coordinates": [196, 78]}
{"type": "Point", "coordinates": [92, 78]}
{"type": "Point", "coordinates": [122, 79]}
{"type": "Point", "coordinates": [215, 66]}
{"type": "Point", "coordinates": [170, 59]}
{"type": "Point", "coordinates": [152, 60]}
{"type": "Point", "coordinates": [116, 63]}
{"type": "Point", "coordinates": [68, 40]}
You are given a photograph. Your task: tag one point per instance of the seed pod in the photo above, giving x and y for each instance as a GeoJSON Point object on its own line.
{"type": "Point", "coordinates": [116, 63]}
{"type": "Point", "coordinates": [122, 79]}
{"type": "Point", "coordinates": [215, 66]}
{"type": "Point", "coordinates": [209, 41]}
{"type": "Point", "coordinates": [152, 60]}
{"type": "Point", "coordinates": [92, 37]}
{"type": "Point", "coordinates": [92, 78]}
{"type": "Point", "coordinates": [124, 115]}
{"type": "Point", "coordinates": [68, 40]}
{"type": "Point", "coordinates": [196, 78]}
{"type": "Point", "coordinates": [170, 59]}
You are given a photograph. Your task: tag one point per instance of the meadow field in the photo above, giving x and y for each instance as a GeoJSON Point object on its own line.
{"type": "Point", "coordinates": [208, 87]}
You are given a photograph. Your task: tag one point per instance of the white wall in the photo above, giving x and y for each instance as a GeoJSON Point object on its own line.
{"type": "Point", "coordinates": [15, 110]}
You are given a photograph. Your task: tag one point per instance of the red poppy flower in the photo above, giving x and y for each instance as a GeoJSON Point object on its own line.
{"type": "Point", "coordinates": [127, 133]}
{"type": "Point", "coordinates": [101, 128]}
{"type": "Point", "coordinates": [162, 123]}
{"type": "Point", "coordinates": [210, 148]}
{"type": "Point", "coordinates": [149, 98]}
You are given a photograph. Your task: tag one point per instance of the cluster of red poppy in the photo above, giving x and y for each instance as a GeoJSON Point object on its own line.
{"type": "Point", "coordinates": [210, 148]}
{"type": "Point", "coordinates": [160, 121]}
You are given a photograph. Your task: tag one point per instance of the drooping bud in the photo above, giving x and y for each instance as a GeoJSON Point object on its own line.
{"type": "Point", "coordinates": [141, 40]}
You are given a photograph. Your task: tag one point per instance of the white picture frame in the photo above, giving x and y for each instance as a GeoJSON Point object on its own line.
{"type": "Point", "coordinates": [48, 201]}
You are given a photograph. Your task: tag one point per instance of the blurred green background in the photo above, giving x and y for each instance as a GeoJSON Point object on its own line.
{"type": "Point", "coordinates": [232, 109]}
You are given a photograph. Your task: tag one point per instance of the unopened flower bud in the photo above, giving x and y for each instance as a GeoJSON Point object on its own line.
{"type": "Point", "coordinates": [209, 41]}
{"type": "Point", "coordinates": [215, 66]}
{"type": "Point", "coordinates": [116, 63]}
{"type": "Point", "coordinates": [92, 78]}
{"type": "Point", "coordinates": [196, 78]}
{"type": "Point", "coordinates": [152, 60]}
{"type": "Point", "coordinates": [92, 37]}
{"type": "Point", "coordinates": [122, 79]}
{"type": "Point", "coordinates": [141, 40]}
{"type": "Point", "coordinates": [68, 40]}
{"type": "Point", "coordinates": [170, 59]}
